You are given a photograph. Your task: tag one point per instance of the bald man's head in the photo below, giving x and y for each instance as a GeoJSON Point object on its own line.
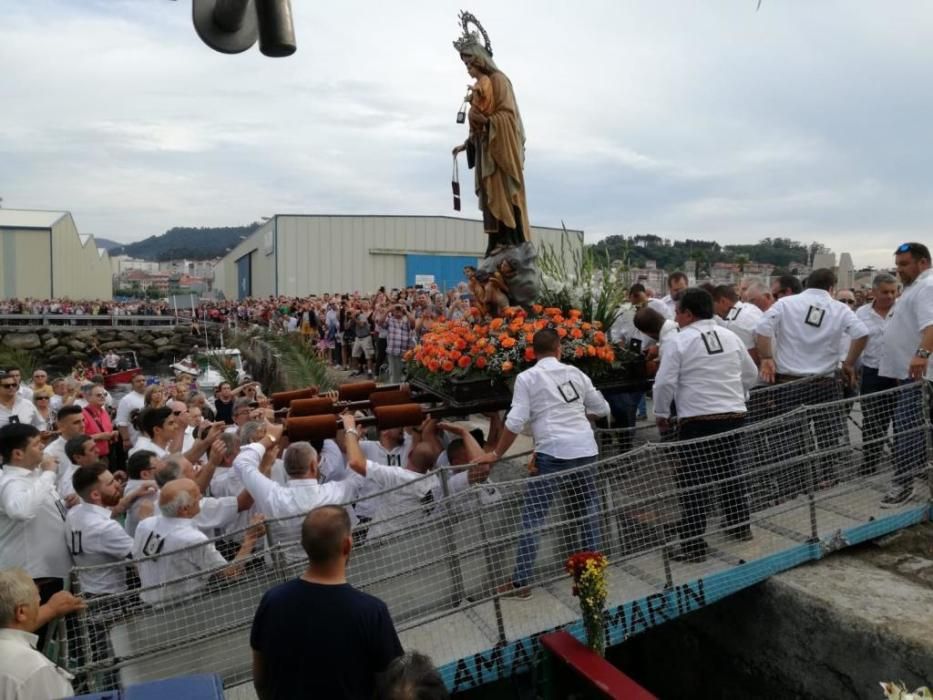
{"type": "Point", "coordinates": [325, 535]}
{"type": "Point", "coordinates": [649, 322]}
{"type": "Point", "coordinates": [421, 458]}
{"type": "Point", "coordinates": [180, 498]}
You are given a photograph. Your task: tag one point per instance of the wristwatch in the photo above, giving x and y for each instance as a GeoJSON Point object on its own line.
{"type": "Point", "coordinates": [925, 354]}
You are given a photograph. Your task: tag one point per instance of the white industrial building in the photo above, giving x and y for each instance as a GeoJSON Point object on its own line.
{"type": "Point", "coordinates": [42, 256]}
{"type": "Point", "coordinates": [297, 255]}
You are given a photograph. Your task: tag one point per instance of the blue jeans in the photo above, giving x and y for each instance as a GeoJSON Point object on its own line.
{"type": "Point", "coordinates": [583, 503]}
{"type": "Point", "coordinates": [877, 414]}
{"type": "Point", "coordinates": [910, 448]}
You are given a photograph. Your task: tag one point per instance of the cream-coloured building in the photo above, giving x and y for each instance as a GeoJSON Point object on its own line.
{"type": "Point", "coordinates": [43, 256]}
{"type": "Point", "coordinates": [298, 255]}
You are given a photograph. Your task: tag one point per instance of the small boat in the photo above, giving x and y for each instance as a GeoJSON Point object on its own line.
{"type": "Point", "coordinates": [201, 366]}
{"type": "Point", "coordinates": [127, 368]}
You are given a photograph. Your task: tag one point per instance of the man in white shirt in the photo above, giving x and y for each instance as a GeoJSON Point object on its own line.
{"type": "Point", "coordinates": [70, 425]}
{"type": "Point", "coordinates": [391, 449]}
{"type": "Point", "coordinates": [25, 673]}
{"type": "Point", "coordinates": [166, 551]}
{"type": "Point", "coordinates": [32, 516]}
{"type": "Point", "coordinates": [808, 330]}
{"type": "Point", "coordinates": [301, 494]}
{"type": "Point", "coordinates": [402, 507]}
{"type": "Point", "coordinates": [737, 316]}
{"type": "Point", "coordinates": [22, 390]}
{"type": "Point", "coordinates": [556, 400]}
{"type": "Point", "coordinates": [141, 469]}
{"type": "Point", "coordinates": [908, 343]}
{"type": "Point", "coordinates": [677, 283]}
{"type": "Point", "coordinates": [133, 401]}
{"type": "Point", "coordinates": [13, 407]}
{"type": "Point", "coordinates": [707, 370]}
{"type": "Point", "coordinates": [877, 411]}
{"type": "Point", "coordinates": [91, 533]}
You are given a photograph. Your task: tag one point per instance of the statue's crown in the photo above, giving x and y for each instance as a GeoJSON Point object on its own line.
{"type": "Point", "coordinates": [471, 38]}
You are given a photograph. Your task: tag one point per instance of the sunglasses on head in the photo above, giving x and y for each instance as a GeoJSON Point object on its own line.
{"type": "Point", "coordinates": [905, 248]}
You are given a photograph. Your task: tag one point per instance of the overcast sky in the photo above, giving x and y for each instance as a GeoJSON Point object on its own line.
{"type": "Point", "coordinates": [806, 119]}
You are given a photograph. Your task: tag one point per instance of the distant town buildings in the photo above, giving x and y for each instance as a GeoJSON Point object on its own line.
{"type": "Point", "coordinates": [168, 276]}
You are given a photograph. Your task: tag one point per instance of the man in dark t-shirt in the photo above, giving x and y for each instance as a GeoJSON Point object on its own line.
{"type": "Point", "coordinates": [317, 636]}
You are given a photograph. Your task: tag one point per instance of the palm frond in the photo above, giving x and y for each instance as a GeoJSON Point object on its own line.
{"type": "Point", "coordinates": [14, 357]}
{"type": "Point", "coordinates": [283, 362]}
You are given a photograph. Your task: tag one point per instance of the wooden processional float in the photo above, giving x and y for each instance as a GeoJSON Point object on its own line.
{"type": "Point", "coordinates": [310, 416]}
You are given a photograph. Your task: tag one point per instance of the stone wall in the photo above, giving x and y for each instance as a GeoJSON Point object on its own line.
{"type": "Point", "coordinates": [61, 348]}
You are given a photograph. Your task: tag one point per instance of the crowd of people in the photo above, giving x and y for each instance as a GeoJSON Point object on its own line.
{"type": "Point", "coordinates": [173, 482]}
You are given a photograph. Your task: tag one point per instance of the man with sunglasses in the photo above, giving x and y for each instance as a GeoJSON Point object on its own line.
{"type": "Point", "coordinates": [908, 343]}
{"type": "Point", "coordinates": [13, 407]}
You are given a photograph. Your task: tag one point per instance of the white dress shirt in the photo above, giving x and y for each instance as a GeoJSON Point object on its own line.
{"type": "Point", "coordinates": [555, 399]}
{"type": "Point", "coordinates": [405, 506]}
{"type": "Point", "coordinates": [66, 468]}
{"type": "Point", "coordinates": [23, 409]}
{"type": "Point", "coordinates": [875, 323]}
{"type": "Point", "coordinates": [134, 401]}
{"type": "Point", "coordinates": [25, 673]}
{"type": "Point", "coordinates": [144, 442]}
{"type": "Point", "coordinates": [809, 326]}
{"type": "Point", "coordinates": [32, 523]}
{"type": "Point", "coordinates": [25, 391]}
{"type": "Point", "coordinates": [706, 370]}
{"type": "Point", "coordinates": [375, 452]}
{"type": "Point", "coordinates": [742, 319]}
{"type": "Point", "coordinates": [160, 535]}
{"type": "Point", "coordinates": [666, 306]}
{"type": "Point", "coordinates": [95, 538]}
{"type": "Point", "coordinates": [293, 501]}
{"type": "Point", "coordinates": [912, 314]}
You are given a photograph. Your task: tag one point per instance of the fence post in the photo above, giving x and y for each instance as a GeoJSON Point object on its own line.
{"type": "Point", "coordinates": [450, 543]}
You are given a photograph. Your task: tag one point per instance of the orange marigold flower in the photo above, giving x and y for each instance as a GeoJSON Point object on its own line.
{"type": "Point", "coordinates": [529, 354]}
{"type": "Point", "coordinates": [490, 349]}
{"type": "Point", "coordinates": [576, 333]}
{"type": "Point", "coordinates": [528, 328]}
{"type": "Point", "coordinates": [599, 338]}
{"type": "Point", "coordinates": [507, 366]}
{"type": "Point", "coordinates": [464, 361]}
{"type": "Point", "coordinates": [552, 311]}
{"type": "Point", "coordinates": [508, 342]}
{"type": "Point", "coordinates": [455, 355]}
{"type": "Point", "coordinates": [561, 331]}
{"type": "Point", "coordinates": [591, 351]}
{"type": "Point", "coordinates": [537, 308]}
{"type": "Point", "coordinates": [480, 362]}
{"type": "Point", "coordinates": [447, 366]}
{"type": "Point", "coordinates": [496, 324]}
{"type": "Point", "coordinates": [433, 365]}
{"type": "Point", "coordinates": [578, 351]}
{"type": "Point", "coordinates": [586, 326]}
{"type": "Point", "coordinates": [529, 338]}
{"type": "Point", "coordinates": [575, 313]}
{"type": "Point", "coordinates": [540, 324]}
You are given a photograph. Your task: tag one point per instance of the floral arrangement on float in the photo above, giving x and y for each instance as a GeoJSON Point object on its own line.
{"type": "Point", "coordinates": [499, 348]}
{"type": "Point", "coordinates": [588, 570]}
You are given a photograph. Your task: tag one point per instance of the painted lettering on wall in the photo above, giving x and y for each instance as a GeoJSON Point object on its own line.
{"type": "Point", "coordinates": [622, 622]}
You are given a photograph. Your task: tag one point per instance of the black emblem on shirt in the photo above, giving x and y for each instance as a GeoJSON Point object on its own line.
{"type": "Point", "coordinates": [394, 460]}
{"type": "Point", "coordinates": [153, 545]}
{"type": "Point", "coordinates": [60, 506]}
{"type": "Point", "coordinates": [568, 392]}
{"type": "Point", "coordinates": [733, 313]}
{"type": "Point", "coordinates": [815, 316]}
{"type": "Point", "coordinates": [712, 342]}
{"type": "Point", "coordinates": [76, 545]}
{"type": "Point", "coordinates": [13, 420]}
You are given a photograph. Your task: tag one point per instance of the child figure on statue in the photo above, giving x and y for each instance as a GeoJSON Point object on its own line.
{"type": "Point", "coordinates": [481, 95]}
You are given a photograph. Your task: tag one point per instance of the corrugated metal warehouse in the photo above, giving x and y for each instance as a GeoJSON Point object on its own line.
{"type": "Point", "coordinates": [43, 256]}
{"type": "Point", "coordinates": [298, 255]}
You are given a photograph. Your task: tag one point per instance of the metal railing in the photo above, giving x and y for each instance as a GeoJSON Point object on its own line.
{"type": "Point", "coordinates": [792, 485]}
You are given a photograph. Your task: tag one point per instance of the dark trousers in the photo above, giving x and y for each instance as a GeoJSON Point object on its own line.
{"type": "Point", "coordinates": [877, 416]}
{"type": "Point", "coordinates": [910, 433]}
{"type": "Point", "coordinates": [381, 344]}
{"type": "Point", "coordinates": [624, 408]}
{"type": "Point", "coordinates": [700, 466]}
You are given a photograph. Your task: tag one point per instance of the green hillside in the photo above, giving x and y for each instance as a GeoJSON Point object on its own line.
{"type": "Point", "coordinates": [201, 243]}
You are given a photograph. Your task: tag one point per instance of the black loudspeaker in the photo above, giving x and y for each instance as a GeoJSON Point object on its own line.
{"type": "Point", "coordinates": [276, 28]}
{"type": "Point", "coordinates": [233, 26]}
